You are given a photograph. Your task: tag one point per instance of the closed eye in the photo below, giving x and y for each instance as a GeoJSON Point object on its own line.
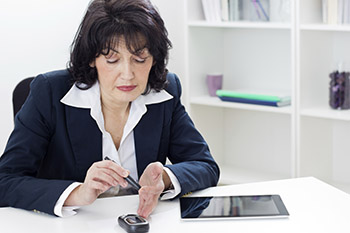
{"type": "Point", "coordinates": [112, 57]}
{"type": "Point", "coordinates": [140, 60]}
{"type": "Point", "coordinates": [111, 61]}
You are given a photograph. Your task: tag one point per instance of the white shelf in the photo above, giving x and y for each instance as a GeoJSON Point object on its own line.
{"type": "Point", "coordinates": [237, 175]}
{"type": "Point", "coordinates": [325, 27]}
{"type": "Point", "coordinates": [240, 24]}
{"type": "Point", "coordinates": [326, 113]}
{"type": "Point", "coordinates": [216, 102]}
{"type": "Point", "coordinates": [295, 56]}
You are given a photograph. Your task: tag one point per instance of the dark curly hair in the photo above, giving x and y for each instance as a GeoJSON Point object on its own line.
{"type": "Point", "coordinates": [104, 24]}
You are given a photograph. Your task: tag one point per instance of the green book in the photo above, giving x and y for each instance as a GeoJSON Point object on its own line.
{"type": "Point", "coordinates": [253, 96]}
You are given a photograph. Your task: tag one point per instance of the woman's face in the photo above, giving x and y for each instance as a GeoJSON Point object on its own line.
{"type": "Point", "coordinates": [123, 76]}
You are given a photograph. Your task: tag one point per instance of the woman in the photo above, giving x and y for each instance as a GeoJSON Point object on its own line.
{"type": "Point", "coordinates": [117, 101]}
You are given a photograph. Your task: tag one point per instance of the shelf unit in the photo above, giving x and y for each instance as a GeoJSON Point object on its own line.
{"type": "Point", "coordinates": [322, 131]}
{"type": "Point", "coordinates": [256, 143]}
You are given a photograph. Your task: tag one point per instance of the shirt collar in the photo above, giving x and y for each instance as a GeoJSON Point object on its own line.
{"type": "Point", "coordinates": [78, 98]}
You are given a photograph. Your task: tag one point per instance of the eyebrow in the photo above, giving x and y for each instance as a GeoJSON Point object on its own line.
{"type": "Point", "coordinates": [137, 52]}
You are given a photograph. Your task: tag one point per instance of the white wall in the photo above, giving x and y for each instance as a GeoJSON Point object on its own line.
{"type": "Point", "coordinates": [35, 36]}
{"type": "Point", "coordinates": [174, 16]}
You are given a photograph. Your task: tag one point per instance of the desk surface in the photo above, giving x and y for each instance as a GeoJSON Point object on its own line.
{"type": "Point", "coordinates": [314, 206]}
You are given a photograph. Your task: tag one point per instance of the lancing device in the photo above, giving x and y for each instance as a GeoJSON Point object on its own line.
{"type": "Point", "coordinates": [129, 179]}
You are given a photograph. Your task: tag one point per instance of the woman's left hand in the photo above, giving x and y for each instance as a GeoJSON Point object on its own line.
{"type": "Point", "coordinates": [152, 186]}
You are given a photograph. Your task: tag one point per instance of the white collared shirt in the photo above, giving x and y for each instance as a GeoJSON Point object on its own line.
{"type": "Point", "coordinates": [125, 156]}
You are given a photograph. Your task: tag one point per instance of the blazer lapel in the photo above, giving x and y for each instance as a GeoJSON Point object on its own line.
{"type": "Point", "coordinates": [85, 137]}
{"type": "Point", "coordinates": [147, 136]}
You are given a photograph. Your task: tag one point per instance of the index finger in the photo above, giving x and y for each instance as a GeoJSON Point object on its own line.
{"type": "Point", "coordinates": [110, 164]}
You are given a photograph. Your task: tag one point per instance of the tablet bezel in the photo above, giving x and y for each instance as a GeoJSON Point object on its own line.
{"type": "Point", "coordinates": [282, 210]}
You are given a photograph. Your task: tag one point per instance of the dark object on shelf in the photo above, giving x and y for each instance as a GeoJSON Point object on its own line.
{"type": "Point", "coordinates": [339, 90]}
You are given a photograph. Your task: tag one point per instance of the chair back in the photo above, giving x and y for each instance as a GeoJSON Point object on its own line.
{"type": "Point", "coordinates": [20, 94]}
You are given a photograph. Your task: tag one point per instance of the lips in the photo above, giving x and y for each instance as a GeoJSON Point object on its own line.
{"type": "Point", "coordinates": [126, 88]}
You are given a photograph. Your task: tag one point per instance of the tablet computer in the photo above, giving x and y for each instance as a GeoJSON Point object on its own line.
{"type": "Point", "coordinates": [232, 207]}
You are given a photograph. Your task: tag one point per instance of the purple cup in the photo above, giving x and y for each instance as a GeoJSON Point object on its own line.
{"type": "Point", "coordinates": [214, 83]}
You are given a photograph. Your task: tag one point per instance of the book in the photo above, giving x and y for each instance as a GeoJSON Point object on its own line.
{"type": "Point", "coordinates": [332, 11]}
{"type": "Point", "coordinates": [234, 14]}
{"type": "Point", "coordinates": [216, 10]}
{"type": "Point", "coordinates": [206, 10]}
{"type": "Point", "coordinates": [254, 101]}
{"type": "Point", "coordinates": [340, 12]}
{"type": "Point", "coordinates": [346, 12]}
{"type": "Point", "coordinates": [212, 10]}
{"type": "Point", "coordinates": [254, 95]}
{"type": "Point", "coordinates": [280, 10]}
{"type": "Point", "coordinates": [263, 9]}
{"type": "Point", "coordinates": [224, 10]}
{"type": "Point", "coordinates": [325, 11]}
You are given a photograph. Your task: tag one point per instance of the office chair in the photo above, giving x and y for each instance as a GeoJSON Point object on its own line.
{"type": "Point", "coordinates": [20, 94]}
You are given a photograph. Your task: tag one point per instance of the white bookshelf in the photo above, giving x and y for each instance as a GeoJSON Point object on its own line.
{"type": "Point", "coordinates": [250, 142]}
{"type": "Point", "coordinates": [255, 143]}
{"type": "Point", "coordinates": [326, 112]}
{"type": "Point", "coordinates": [322, 132]}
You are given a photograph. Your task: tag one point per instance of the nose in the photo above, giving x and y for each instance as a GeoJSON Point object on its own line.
{"type": "Point", "coordinates": [127, 72]}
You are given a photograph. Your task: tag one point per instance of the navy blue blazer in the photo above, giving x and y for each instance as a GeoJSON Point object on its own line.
{"type": "Point", "coordinates": [53, 145]}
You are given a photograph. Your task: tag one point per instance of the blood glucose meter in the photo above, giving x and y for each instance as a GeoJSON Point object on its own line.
{"type": "Point", "coordinates": [133, 223]}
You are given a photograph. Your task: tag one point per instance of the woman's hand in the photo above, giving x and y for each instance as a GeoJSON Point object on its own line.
{"type": "Point", "coordinates": [99, 178]}
{"type": "Point", "coordinates": [152, 186]}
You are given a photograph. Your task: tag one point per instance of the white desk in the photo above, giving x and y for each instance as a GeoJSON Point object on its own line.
{"type": "Point", "coordinates": [314, 206]}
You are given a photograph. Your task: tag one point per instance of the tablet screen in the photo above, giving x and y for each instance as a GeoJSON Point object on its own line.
{"type": "Point", "coordinates": [214, 207]}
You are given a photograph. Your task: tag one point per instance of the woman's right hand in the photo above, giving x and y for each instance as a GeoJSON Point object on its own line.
{"type": "Point", "coordinates": [99, 178]}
